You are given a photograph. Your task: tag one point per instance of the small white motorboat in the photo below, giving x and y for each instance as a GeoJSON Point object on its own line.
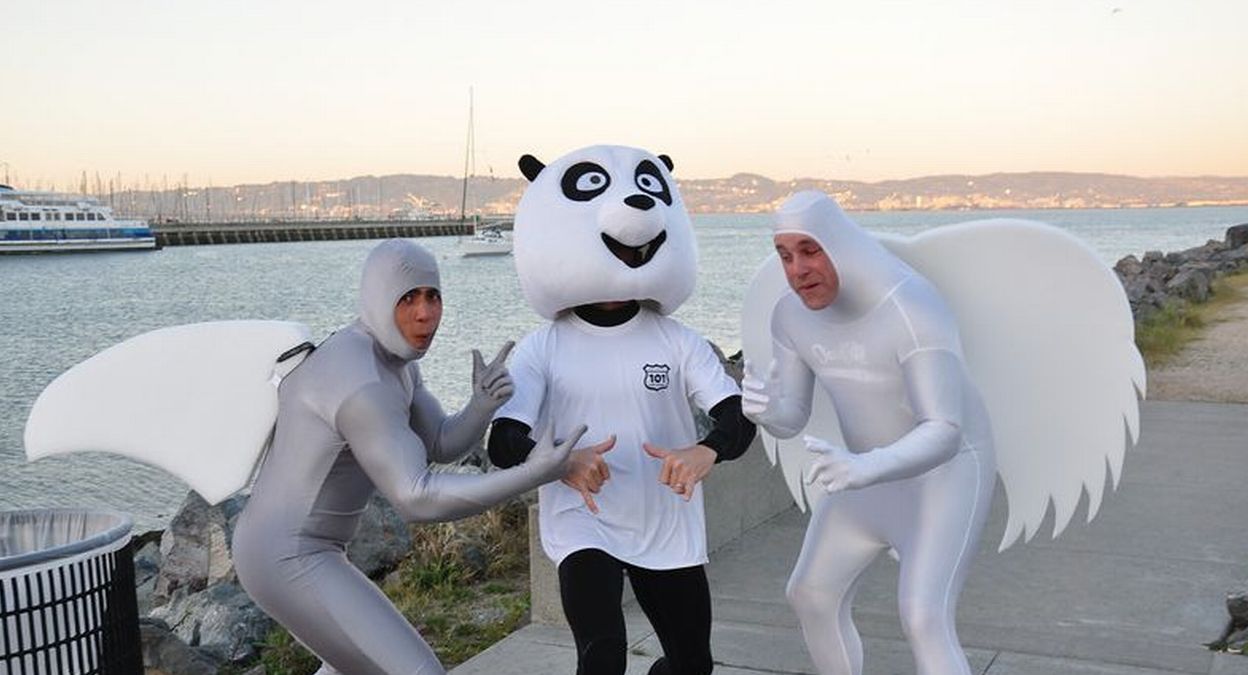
{"type": "Point", "coordinates": [486, 241]}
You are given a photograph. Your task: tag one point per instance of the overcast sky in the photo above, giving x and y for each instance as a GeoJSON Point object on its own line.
{"type": "Point", "coordinates": [233, 91]}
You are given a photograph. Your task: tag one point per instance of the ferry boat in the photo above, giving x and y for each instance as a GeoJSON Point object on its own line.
{"type": "Point", "coordinates": [49, 222]}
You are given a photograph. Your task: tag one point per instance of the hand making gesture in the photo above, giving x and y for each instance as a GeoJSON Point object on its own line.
{"type": "Point", "coordinates": [587, 471]}
{"type": "Point", "coordinates": [682, 468]}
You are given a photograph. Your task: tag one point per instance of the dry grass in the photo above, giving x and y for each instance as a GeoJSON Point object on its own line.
{"type": "Point", "coordinates": [1162, 336]}
{"type": "Point", "coordinates": [464, 586]}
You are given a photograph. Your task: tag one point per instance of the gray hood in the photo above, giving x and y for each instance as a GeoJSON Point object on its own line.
{"type": "Point", "coordinates": [393, 268]}
{"type": "Point", "coordinates": [867, 271]}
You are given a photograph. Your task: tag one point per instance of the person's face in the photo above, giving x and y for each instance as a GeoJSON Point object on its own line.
{"type": "Point", "coordinates": [810, 273]}
{"type": "Point", "coordinates": [417, 315]}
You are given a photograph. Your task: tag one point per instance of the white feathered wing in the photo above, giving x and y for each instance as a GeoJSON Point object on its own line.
{"type": "Point", "coordinates": [197, 400]}
{"type": "Point", "coordinates": [1049, 341]}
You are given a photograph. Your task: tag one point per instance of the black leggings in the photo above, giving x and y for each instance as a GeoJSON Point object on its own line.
{"type": "Point", "coordinates": [677, 602]}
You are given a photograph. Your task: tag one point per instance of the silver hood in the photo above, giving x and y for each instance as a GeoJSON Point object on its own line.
{"type": "Point", "coordinates": [867, 271]}
{"type": "Point", "coordinates": [393, 268]}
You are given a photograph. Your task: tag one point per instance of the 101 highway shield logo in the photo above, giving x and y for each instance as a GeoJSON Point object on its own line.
{"type": "Point", "coordinates": [656, 376]}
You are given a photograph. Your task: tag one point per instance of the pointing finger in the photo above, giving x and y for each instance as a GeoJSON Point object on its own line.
{"type": "Point", "coordinates": [655, 451]}
{"type": "Point", "coordinates": [574, 437]}
{"type": "Point", "coordinates": [816, 472]}
{"type": "Point", "coordinates": [589, 501]}
{"type": "Point", "coordinates": [478, 363]}
{"type": "Point", "coordinates": [605, 446]}
{"type": "Point", "coordinates": [816, 445]}
{"type": "Point", "coordinates": [665, 473]}
{"type": "Point", "coordinates": [603, 467]}
{"type": "Point", "coordinates": [501, 357]}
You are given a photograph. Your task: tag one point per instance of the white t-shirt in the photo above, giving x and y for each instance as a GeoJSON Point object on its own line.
{"type": "Point", "coordinates": [636, 381]}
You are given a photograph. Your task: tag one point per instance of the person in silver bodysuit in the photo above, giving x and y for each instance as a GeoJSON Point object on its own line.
{"type": "Point", "coordinates": [918, 470]}
{"type": "Point", "coordinates": [353, 417]}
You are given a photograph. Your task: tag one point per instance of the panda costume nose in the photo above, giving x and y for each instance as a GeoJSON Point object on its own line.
{"type": "Point", "coordinates": [642, 202]}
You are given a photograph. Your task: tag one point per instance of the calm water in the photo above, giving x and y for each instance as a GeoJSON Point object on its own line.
{"type": "Point", "coordinates": [58, 310]}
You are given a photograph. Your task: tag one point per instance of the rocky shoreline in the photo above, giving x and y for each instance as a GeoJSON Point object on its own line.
{"type": "Point", "coordinates": [1160, 279]}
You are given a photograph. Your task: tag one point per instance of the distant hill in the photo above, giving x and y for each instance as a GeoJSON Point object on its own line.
{"type": "Point", "coordinates": [407, 195]}
{"type": "Point", "coordinates": [749, 193]}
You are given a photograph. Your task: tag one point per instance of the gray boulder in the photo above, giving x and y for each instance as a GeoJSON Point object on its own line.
{"type": "Point", "coordinates": [1237, 236]}
{"type": "Point", "coordinates": [1194, 254]}
{"type": "Point", "coordinates": [164, 653]}
{"type": "Point", "coordinates": [146, 571]}
{"type": "Point", "coordinates": [195, 549]}
{"type": "Point", "coordinates": [1144, 292]}
{"type": "Point", "coordinates": [1129, 268]}
{"type": "Point", "coordinates": [382, 540]}
{"type": "Point", "coordinates": [1197, 254]}
{"type": "Point", "coordinates": [1232, 260]}
{"type": "Point", "coordinates": [1191, 283]}
{"type": "Point", "coordinates": [221, 621]}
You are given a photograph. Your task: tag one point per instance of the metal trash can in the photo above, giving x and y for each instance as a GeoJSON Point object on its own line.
{"type": "Point", "coordinates": [67, 602]}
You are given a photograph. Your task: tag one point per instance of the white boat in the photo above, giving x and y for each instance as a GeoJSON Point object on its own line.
{"type": "Point", "coordinates": [486, 241]}
{"type": "Point", "coordinates": [49, 222]}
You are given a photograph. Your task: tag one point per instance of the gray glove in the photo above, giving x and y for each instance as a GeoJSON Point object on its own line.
{"type": "Point", "coordinates": [491, 383]}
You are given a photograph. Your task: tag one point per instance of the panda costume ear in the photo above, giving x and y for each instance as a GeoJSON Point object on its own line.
{"type": "Point", "coordinates": [530, 166]}
{"type": "Point", "coordinates": [667, 161]}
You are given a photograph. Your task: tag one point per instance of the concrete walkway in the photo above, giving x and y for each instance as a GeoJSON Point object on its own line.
{"type": "Point", "coordinates": [1134, 593]}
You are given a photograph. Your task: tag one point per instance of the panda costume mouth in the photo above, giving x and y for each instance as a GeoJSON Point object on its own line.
{"type": "Point", "coordinates": [634, 256]}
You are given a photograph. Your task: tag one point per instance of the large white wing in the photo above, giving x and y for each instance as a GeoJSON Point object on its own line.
{"type": "Point", "coordinates": [198, 401]}
{"type": "Point", "coordinates": [1049, 341]}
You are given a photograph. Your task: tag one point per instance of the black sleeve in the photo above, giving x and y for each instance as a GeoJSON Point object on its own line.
{"type": "Point", "coordinates": [730, 437]}
{"type": "Point", "coordinates": [510, 443]}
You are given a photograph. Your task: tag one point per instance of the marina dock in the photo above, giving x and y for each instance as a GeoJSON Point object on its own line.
{"type": "Point", "coordinates": [201, 234]}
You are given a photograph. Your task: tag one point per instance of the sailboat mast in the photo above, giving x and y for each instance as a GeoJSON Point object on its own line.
{"type": "Point", "coordinates": [463, 199]}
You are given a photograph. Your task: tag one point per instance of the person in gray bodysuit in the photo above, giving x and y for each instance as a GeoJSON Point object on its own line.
{"type": "Point", "coordinates": [352, 417]}
{"type": "Point", "coordinates": [918, 472]}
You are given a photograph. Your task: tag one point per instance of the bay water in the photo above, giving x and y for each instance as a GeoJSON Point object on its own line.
{"type": "Point", "coordinates": [57, 310]}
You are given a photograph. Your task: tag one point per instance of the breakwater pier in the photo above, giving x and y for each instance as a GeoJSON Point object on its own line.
{"type": "Point", "coordinates": [208, 233]}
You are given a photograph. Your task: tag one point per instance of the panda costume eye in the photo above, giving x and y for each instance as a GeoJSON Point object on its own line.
{"type": "Point", "coordinates": [584, 181]}
{"type": "Point", "coordinates": [650, 180]}
{"type": "Point", "coordinates": [591, 181]}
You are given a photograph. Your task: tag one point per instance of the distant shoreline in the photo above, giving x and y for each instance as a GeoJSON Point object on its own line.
{"type": "Point", "coordinates": [410, 196]}
{"type": "Point", "coordinates": [967, 209]}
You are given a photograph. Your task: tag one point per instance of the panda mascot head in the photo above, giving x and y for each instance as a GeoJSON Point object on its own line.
{"type": "Point", "coordinates": [600, 224]}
